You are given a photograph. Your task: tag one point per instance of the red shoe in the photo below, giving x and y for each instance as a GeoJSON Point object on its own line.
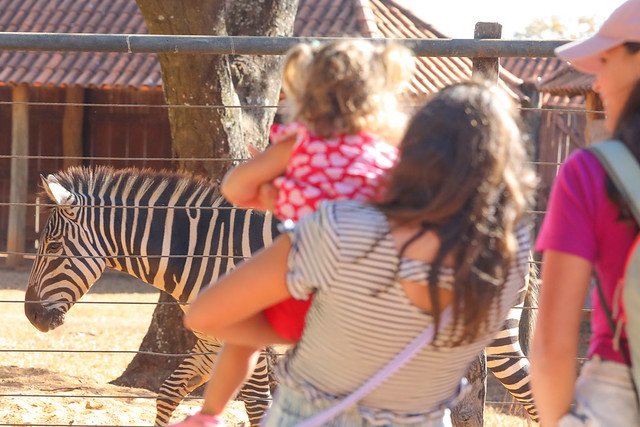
{"type": "Point", "coordinates": [201, 420]}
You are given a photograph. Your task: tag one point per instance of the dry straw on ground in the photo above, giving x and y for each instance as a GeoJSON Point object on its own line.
{"type": "Point", "coordinates": [90, 327]}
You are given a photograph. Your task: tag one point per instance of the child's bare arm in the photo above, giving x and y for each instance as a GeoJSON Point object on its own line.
{"type": "Point", "coordinates": [241, 185]}
{"type": "Point", "coordinates": [268, 196]}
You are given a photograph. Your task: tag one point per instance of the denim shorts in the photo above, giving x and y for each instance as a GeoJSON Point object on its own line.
{"type": "Point", "coordinates": [604, 397]}
{"type": "Point", "coordinates": [290, 407]}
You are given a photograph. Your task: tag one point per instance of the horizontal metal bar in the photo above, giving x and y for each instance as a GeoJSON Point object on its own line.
{"type": "Point", "coordinates": [172, 159]}
{"type": "Point", "coordinates": [254, 106]}
{"type": "Point", "coordinates": [96, 396]}
{"type": "Point", "coordinates": [148, 353]}
{"type": "Point", "coordinates": [153, 353]}
{"type": "Point", "coordinates": [75, 425]}
{"type": "Point", "coordinates": [131, 256]}
{"type": "Point", "coordinates": [138, 159]}
{"type": "Point", "coordinates": [33, 255]}
{"type": "Point", "coordinates": [140, 396]}
{"type": "Point", "coordinates": [161, 207]}
{"type": "Point", "coordinates": [143, 208]}
{"type": "Point", "coordinates": [175, 303]}
{"type": "Point", "coordinates": [261, 45]}
{"type": "Point", "coordinates": [119, 105]}
{"type": "Point", "coordinates": [101, 302]}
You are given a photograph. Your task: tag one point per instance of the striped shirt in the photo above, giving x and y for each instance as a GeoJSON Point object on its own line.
{"type": "Point", "coordinates": [361, 318]}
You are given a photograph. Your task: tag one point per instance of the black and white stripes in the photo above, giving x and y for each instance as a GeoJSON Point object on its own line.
{"type": "Point", "coordinates": [345, 254]}
{"type": "Point", "coordinates": [174, 232]}
{"type": "Point", "coordinates": [170, 230]}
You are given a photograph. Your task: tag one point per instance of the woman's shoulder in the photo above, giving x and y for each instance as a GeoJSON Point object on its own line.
{"type": "Point", "coordinates": [352, 208]}
{"type": "Point", "coordinates": [580, 177]}
{"type": "Point", "coordinates": [352, 215]}
{"type": "Point", "coordinates": [582, 163]}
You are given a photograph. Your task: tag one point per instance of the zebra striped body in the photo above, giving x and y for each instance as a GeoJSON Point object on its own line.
{"type": "Point", "coordinates": [98, 223]}
{"type": "Point", "coordinates": [119, 219]}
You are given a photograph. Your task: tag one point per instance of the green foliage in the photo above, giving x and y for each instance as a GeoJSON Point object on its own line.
{"type": "Point", "coordinates": [555, 27]}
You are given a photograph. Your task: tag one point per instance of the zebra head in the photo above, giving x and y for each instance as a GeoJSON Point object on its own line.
{"type": "Point", "coordinates": [67, 262]}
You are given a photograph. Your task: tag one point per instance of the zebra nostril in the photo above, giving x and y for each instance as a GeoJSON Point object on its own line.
{"type": "Point", "coordinates": [44, 320]}
{"type": "Point", "coordinates": [31, 311]}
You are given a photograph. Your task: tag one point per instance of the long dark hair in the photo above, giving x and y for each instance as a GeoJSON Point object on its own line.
{"type": "Point", "coordinates": [627, 130]}
{"type": "Point", "coordinates": [463, 173]}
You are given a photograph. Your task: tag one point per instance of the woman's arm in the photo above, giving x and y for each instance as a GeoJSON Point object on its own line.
{"type": "Point", "coordinates": [256, 284]}
{"type": "Point", "coordinates": [565, 283]}
{"type": "Point", "coordinates": [241, 185]}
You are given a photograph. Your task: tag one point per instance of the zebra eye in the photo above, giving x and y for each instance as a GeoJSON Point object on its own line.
{"type": "Point", "coordinates": [54, 246]}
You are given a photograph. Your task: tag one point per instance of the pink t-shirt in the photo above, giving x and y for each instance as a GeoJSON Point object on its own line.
{"type": "Point", "coordinates": [582, 221]}
{"type": "Point", "coordinates": [345, 167]}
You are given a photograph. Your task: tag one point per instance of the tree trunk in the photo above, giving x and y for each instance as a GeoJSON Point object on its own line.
{"type": "Point", "coordinates": [189, 82]}
{"type": "Point", "coordinates": [469, 412]}
{"type": "Point", "coordinates": [165, 335]}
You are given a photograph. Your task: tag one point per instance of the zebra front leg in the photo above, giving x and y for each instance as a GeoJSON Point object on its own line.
{"type": "Point", "coordinates": [510, 366]}
{"type": "Point", "coordinates": [194, 371]}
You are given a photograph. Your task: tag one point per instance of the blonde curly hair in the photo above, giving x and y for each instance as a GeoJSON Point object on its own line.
{"type": "Point", "coordinates": [347, 86]}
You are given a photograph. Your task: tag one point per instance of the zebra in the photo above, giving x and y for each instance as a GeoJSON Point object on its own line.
{"type": "Point", "coordinates": [139, 221]}
{"type": "Point", "coordinates": [108, 234]}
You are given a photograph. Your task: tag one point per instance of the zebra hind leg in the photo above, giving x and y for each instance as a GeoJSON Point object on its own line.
{"type": "Point", "coordinates": [510, 366]}
{"type": "Point", "coordinates": [194, 371]}
{"type": "Point", "coordinates": [256, 392]}
{"type": "Point", "coordinates": [505, 357]}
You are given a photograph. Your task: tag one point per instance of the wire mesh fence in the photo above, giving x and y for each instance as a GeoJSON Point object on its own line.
{"type": "Point", "coordinates": [136, 43]}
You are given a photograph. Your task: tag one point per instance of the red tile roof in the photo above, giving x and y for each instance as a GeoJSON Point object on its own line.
{"type": "Point", "coordinates": [535, 70]}
{"type": "Point", "coordinates": [96, 69]}
{"type": "Point", "coordinates": [531, 69]}
{"type": "Point", "coordinates": [567, 81]}
{"type": "Point", "coordinates": [365, 18]}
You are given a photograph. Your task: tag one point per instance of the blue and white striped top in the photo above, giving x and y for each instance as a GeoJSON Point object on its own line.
{"type": "Point", "coordinates": [344, 253]}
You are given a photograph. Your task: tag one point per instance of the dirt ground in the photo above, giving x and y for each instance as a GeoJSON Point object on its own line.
{"type": "Point", "coordinates": [39, 387]}
{"type": "Point", "coordinates": [33, 383]}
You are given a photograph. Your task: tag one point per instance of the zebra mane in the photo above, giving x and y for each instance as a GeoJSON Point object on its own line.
{"type": "Point", "coordinates": [92, 180]}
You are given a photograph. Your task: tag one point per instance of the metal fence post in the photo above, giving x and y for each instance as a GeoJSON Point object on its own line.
{"type": "Point", "coordinates": [487, 67]}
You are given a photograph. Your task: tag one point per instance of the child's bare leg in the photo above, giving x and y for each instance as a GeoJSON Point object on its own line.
{"type": "Point", "coordinates": [234, 365]}
{"type": "Point", "coordinates": [237, 360]}
{"type": "Point", "coordinates": [256, 331]}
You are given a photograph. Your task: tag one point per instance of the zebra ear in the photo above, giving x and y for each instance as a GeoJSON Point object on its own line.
{"type": "Point", "coordinates": [56, 191]}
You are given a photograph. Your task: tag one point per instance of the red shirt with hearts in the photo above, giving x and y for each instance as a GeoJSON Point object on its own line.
{"type": "Point", "coordinates": [347, 166]}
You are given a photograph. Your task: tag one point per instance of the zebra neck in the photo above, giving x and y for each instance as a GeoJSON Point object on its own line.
{"type": "Point", "coordinates": [175, 250]}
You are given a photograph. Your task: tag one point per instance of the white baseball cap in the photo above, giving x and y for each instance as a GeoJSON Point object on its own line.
{"type": "Point", "coordinates": [622, 26]}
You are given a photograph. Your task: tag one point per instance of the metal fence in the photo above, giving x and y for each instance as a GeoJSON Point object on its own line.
{"type": "Point", "coordinates": [244, 46]}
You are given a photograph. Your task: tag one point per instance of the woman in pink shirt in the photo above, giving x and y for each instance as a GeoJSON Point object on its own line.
{"type": "Point", "coordinates": [587, 230]}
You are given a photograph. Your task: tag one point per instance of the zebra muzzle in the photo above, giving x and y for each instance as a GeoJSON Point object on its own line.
{"type": "Point", "coordinates": [43, 317]}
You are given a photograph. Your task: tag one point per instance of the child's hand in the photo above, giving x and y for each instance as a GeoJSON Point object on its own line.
{"type": "Point", "coordinates": [286, 133]}
{"type": "Point", "coordinates": [267, 196]}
